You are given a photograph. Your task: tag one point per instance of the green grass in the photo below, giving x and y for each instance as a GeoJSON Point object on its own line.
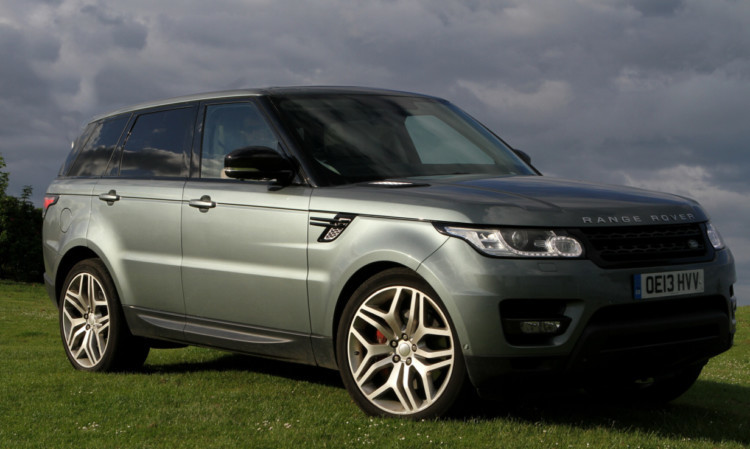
{"type": "Point", "coordinates": [195, 397]}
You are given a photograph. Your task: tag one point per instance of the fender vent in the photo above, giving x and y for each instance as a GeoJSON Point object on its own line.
{"type": "Point", "coordinates": [334, 227]}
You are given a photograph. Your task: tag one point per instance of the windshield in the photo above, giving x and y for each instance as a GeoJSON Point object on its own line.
{"type": "Point", "coordinates": [359, 138]}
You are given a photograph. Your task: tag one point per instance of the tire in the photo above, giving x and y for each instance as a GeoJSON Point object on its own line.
{"type": "Point", "coordinates": [92, 326]}
{"type": "Point", "coordinates": [649, 392]}
{"type": "Point", "coordinates": [397, 348]}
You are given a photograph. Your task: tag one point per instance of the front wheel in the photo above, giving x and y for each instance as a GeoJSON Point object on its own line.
{"type": "Point", "coordinates": [397, 349]}
{"type": "Point", "coordinates": [92, 326]}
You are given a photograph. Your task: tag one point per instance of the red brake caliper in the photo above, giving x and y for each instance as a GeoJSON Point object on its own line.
{"type": "Point", "coordinates": [380, 338]}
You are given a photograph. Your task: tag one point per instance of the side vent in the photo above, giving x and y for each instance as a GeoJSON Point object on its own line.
{"type": "Point", "coordinates": [334, 227]}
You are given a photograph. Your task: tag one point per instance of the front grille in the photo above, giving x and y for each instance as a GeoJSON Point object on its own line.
{"type": "Point", "coordinates": [646, 245]}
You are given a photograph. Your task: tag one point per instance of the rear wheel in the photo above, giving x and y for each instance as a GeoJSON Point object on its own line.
{"type": "Point", "coordinates": [397, 349]}
{"type": "Point", "coordinates": [92, 326]}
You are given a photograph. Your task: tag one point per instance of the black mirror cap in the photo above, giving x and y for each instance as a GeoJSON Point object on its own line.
{"type": "Point", "coordinates": [526, 158]}
{"type": "Point", "coordinates": [258, 163]}
{"type": "Point", "coordinates": [523, 155]}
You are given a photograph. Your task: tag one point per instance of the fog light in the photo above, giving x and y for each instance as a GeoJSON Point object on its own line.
{"type": "Point", "coordinates": [540, 327]}
{"type": "Point", "coordinates": [524, 326]}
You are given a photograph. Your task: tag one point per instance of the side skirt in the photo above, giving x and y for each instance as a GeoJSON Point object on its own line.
{"type": "Point", "coordinates": [293, 347]}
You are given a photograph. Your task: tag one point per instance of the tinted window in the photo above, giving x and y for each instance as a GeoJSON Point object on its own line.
{"type": "Point", "coordinates": [438, 143]}
{"type": "Point", "coordinates": [229, 127]}
{"type": "Point", "coordinates": [77, 145]}
{"type": "Point", "coordinates": [158, 145]}
{"type": "Point", "coordinates": [356, 138]}
{"type": "Point", "coordinates": [97, 151]}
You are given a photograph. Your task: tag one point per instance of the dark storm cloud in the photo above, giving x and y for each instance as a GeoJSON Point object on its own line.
{"type": "Point", "coordinates": [20, 81]}
{"type": "Point", "coordinates": [122, 32]}
{"type": "Point", "coordinates": [121, 84]}
{"type": "Point", "coordinates": [656, 8]}
{"type": "Point", "coordinates": [29, 120]}
{"type": "Point", "coordinates": [649, 93]}
{"type": "Point", "coordinates": [568, 80]}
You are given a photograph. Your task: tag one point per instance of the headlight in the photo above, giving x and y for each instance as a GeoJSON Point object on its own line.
{"type": "Point", "coordinates": [518, 242]}
{"type": "Point", "coordinates": [714, 237]}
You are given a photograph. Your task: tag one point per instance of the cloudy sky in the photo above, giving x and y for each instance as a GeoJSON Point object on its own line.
{"type": "Point", "coordinates": [650, 93]}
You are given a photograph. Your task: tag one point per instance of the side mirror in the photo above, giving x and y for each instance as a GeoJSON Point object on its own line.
{"type": "Point", "coordinates": [523, 155]}
{"type": "Point", "coordinates": [526, 158]}
{"type": "Point", "coordinates": [258, 163]}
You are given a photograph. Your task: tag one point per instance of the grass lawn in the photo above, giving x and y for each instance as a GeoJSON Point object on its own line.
{"type": "Point", "coordinates": [195, 397]}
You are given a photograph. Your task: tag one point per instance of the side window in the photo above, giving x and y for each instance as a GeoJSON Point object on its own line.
{"type": "Point", "coordinates": [76, 149]}
{"type": "Point", "coordinates": [438, 143]}
{"type": "Point", "coordinates": [96, 147]}
{"type": "Point", "coordinates": [229, 127]}
{"type": "Point", "coordinates": [158, 145]}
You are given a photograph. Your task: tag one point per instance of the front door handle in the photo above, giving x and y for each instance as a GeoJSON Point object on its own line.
{"type": "Point", "coordinates": [110, 197]}
{"type": "Point", "coordinates": [204, 204]}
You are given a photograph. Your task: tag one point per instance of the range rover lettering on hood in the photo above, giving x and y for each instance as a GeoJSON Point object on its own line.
{"type": "Point", "coordinates": [663, 218]}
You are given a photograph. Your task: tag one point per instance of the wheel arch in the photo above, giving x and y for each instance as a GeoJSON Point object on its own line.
{"type": "Point", "coordinates": [68, 261]}
{"type": "Point", "coordinates": [354, 281]}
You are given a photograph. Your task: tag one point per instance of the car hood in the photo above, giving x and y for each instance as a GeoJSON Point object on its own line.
{"type": "Point", "coordinates": [510, 201]}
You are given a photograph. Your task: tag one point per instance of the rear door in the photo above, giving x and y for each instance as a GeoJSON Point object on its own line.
{"type": "Point", "coordinates": [244, 269]}
{"type": "Point", "coordinates": [136, 214]}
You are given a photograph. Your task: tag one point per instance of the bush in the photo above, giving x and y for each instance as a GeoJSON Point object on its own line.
{"type": "Point", "coordinates": [20, 235]}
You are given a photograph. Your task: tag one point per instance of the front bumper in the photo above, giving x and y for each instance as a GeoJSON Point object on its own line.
{"type": "Point", "coordinates": [609, 332]}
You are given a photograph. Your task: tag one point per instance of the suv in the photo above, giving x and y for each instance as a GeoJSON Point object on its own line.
{"type": "Point", "coordinates": [384, 234]}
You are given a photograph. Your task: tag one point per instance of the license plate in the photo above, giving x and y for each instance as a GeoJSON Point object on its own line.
{"type": "Point", "coordinates": [670, 283]}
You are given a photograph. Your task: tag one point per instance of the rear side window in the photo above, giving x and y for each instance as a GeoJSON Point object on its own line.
{"type": "Point", "coordinates": [76, 149]}
{"type": "Point", "coordinates": [159, 144]}
{"type": "Point", "coordinates": [96, 146]}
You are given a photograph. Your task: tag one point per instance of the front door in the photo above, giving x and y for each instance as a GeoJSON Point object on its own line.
{"type": "Point", "coordinates": [244, 269]}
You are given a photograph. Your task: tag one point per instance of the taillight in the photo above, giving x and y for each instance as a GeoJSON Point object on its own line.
{"type": "Point", "coordinates": [49, 200]}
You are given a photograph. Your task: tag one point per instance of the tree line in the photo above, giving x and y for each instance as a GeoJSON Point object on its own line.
{"type": "Point", "coordinates": [20, 234]}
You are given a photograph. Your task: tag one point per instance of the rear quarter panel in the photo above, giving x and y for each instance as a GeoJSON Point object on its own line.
{"type": "Point", "coordinates": [66, 222]}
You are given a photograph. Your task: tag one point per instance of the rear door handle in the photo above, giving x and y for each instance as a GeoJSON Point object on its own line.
{"type": "Point", "coordinates": [204, 204]}
{"type": "Point", "coordinates": [110, 197]}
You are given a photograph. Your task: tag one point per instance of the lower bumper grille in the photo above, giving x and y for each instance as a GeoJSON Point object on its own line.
{"type": "Point", "coordinates": [653, 338]}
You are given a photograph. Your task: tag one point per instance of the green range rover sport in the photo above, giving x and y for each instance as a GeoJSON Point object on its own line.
{"type": "Point", "coordinates": [385, 234]}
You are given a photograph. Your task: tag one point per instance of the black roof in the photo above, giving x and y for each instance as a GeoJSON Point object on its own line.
{"type": "Point", "coordinates": [267, 91]}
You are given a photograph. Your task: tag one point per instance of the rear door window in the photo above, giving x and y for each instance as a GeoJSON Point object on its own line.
{"type": "Point", "coordinates": [159, 145]}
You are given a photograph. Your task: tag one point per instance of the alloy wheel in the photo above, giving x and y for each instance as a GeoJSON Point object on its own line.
{"type": "Point", "coordinates": [401, 351]}
{"type": "Point", "coordinates": [85, 320]}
